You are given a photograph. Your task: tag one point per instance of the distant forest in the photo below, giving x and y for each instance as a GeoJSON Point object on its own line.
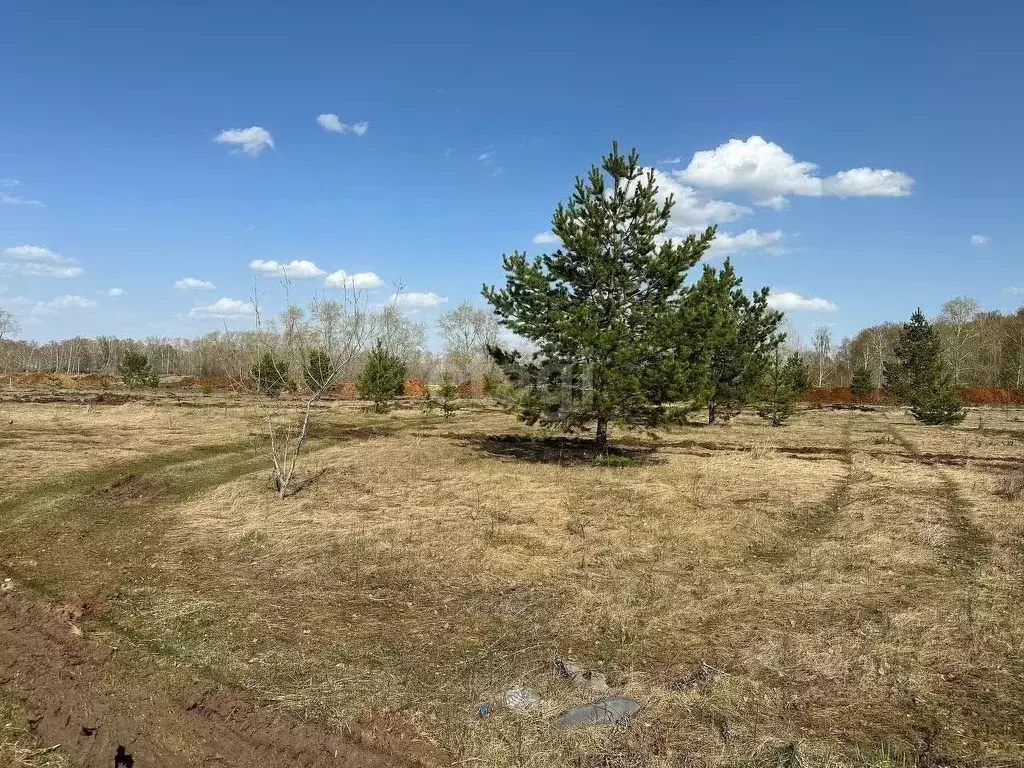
{"type": "Point", "coordinates": [980, 348]}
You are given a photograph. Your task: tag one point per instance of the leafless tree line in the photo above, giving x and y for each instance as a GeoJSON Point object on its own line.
{"type": "Point", "coordinates": [981, 348]}
{"type": "Point", "coordinates": [463, 333]}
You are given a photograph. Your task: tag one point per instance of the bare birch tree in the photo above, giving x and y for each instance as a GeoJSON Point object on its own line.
{"type": "Point", "coordinates": [1014, 375]}
{"type": "Point", "coordinates": [467, 331]}
{"type": "Point", "coordinates": [958, 333]}
{"type": "Point", "coordinates": [338, 329]}
{"type": "Point", "coordinates": [8, 325]}
{"type": "Point", "coordinates": [822, 344]}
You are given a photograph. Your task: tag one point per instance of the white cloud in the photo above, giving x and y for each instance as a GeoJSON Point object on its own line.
{"type": "Point", "coordinates": [115, 292]}
{"type": "Point", "coordinates": [224, 308]}
{"type": "Point", "coordinates": [692, 210]}
{"type": "Point", "coordinates": [726, 243]}
{"type": "Point", "coordinates": [670, 161]}
{"type": "Point", "coordinates": [251, 140]}
{"type": "Point", "coordinates": [546, 238]}
{"type": "Point", "coordinates": [331, 123]}
{"type": "Point", "coordinates": [868, 182]}
{"type": "Point", "coordinates": [417, 299]}
{"type": "Point", "coordinates": [777, 202]}
{"type": "Point", "coordinates": [194, 284]}
{"type": "Point", "coordinates": [980, 239]}
{"type": "Point", "coordinates": [768, 173]}
{"type": "Point", "coordinates": [6, 199]}
{"type": "Point", "coordinates": [757, 166]}
{"type": "Point", "coordinates": [298, 268]}
{"type": "Point", "coordinates": [9, 182]}
{"type": "Point", "coordinates": [787, 301]}
{"type": "Point", "coordinates": [61, 303]}
{"type": "Point", "coordinates": [36, 261]}
{"type": "Point", "coordinates": [487, 155]}
{"type": "Point", "coordinates": [32, 253]}
{"type": "Point", "coordinates": [360, 281]}
{"type": "Point", "coordinates": [1015, 290]}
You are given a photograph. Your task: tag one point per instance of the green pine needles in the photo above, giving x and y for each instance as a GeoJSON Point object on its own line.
{"type": "Point", "coordinates": [918, 375]}
{"type": "Point", "coordinates": [619, 335]}
{"type": "Point", "coordinates": [381, 378]}
{"type": "Point", "coordinates": [135, 370]}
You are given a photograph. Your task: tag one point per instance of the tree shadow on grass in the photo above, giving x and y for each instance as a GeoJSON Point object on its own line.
{"type": "Point", "coordinates": [560, 450]}
{"type": "Point", "coordinates": [344, 433]}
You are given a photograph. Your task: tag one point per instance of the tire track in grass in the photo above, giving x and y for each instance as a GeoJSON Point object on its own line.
{"type": "Point", "coordinates": [970, 546]}
{"type": "Point", "coordinates": [89, 538]}
{"type": "Point", "coordinates": [79, 481]}
{"type": "Point", "coordinates": [92, 699]}
{"type": "Point", "coordinates": [93, 532]}
{"type": "Point", "coordinates": [812, 527]}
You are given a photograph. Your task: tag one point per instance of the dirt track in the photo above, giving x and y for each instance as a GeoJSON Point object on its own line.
{"type": "Point", "coordinates": [91, 698]}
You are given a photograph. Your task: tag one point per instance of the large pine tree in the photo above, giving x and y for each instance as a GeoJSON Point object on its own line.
{"type": "Point", "coordinates": [916, 349]}
{"type": "Point", "coordinates": [937, 400]}
{"type": "Point", "coordinates": [918, 375]}
{"type": "Point", "coordinates": [736, 337]}
{"type": "Point", "coordinates": [603, 309]}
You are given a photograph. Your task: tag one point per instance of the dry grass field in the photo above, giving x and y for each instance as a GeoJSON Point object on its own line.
{"type": "Point", "coordinates": [846, 590]}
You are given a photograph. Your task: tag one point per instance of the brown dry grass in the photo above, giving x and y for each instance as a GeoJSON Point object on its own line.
{"type": "Point", "coordinates": [857, 577]}
{"type": "Point", "coordinates": [19, 747]}
{"type": "Point", "coordinates": [39, 441]}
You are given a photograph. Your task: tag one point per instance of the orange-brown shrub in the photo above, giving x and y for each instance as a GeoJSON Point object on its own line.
{"type": "Point", "coordinates": [979, 395]}
{"type": "Point", "coordinates": [472, 388]}
{"type": "Point", "coordinates": [991, 396]}
{"type": "Point", "coordinates": [345, 390]}
{"type": "Point", "coordinates": [414, 388]}
{"type": "Point", "coordinates": [93, 380]}
{"type": "Point", "coordinates": [62, 380]}
{"type": "Point", "coordinates": [839, 395]}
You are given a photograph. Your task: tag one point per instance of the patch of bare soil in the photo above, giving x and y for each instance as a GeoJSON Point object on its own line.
{"type": "Point", "coordinates": [963, 460]}
{"type": "Point", "coordinates": [132, 489]}
{"type": "Point", "coordinates": [337, 432]}
{"type": "Point", "coordinates": [49, 398]}
{"type": "Point", "coordinates": [95, 700]}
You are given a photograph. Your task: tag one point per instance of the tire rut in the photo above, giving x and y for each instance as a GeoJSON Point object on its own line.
{"type": "Point", "coordinates": [75, 482]}
{"type": "Point", "coordinates": [93, 699]}
{"type": "Point", "coordinates": [970, 546]}
{"type": "Point", "coordinates": [808, 529]}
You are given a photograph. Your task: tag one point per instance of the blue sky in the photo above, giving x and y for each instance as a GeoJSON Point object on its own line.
{"type": "Point", "coordinates": [459, 126]}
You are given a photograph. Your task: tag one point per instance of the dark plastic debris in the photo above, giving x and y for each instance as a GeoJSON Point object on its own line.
{"type": "Point", "coordinates": [613, 711]}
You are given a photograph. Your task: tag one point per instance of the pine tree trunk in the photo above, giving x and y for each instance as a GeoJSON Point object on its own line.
{"type": "Point", "coordinates": [712, 412]}
{"type": "Point", "coordinates": [601, 437]}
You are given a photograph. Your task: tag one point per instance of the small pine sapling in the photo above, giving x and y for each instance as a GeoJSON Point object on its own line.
{"type": "Point", "coordinates": [448, 396]}
{"type": "Point", "coordinates": [777, 393]}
